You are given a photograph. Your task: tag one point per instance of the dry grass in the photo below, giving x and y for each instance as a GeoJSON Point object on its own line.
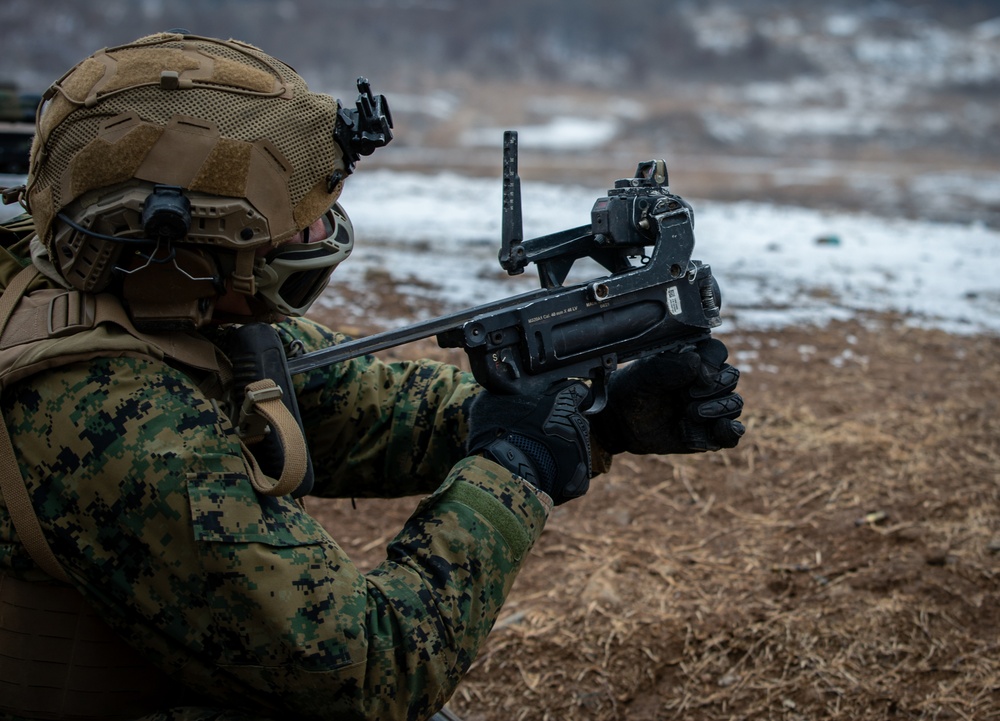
{"type": "Point", "coordinates": [842, 563]}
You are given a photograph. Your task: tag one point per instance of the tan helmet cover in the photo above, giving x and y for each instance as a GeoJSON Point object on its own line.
{"type": "Point", "coordinates": [211, 116]}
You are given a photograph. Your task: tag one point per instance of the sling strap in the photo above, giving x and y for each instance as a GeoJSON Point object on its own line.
{"type": "Point", "coordinates": [263, 409]}
{"type": "Point", "coordinates": [15, 492]}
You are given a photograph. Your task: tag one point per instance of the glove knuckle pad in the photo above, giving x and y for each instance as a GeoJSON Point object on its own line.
{"type": "Point", "coordinates": [543, 439]}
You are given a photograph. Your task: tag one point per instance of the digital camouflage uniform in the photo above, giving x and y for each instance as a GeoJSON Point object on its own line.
{"type": "Point", "coordinates": [247, 603]}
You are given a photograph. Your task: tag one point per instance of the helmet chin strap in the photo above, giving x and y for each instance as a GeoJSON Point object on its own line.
{"type": "Point", "coordinates": [243, 280]}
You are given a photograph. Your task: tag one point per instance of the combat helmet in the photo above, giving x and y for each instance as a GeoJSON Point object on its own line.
{"type": "Point", "coordinates": [177, 168]}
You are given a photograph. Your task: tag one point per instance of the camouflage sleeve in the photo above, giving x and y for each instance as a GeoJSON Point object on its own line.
{"type": "Point", "coordinates": [143, 493]}
{"type": "Point", "coordinates": [379, 429]}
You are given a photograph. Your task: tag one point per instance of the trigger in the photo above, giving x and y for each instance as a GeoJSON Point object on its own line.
{"type": "Point", "coordinates": [598, 393]}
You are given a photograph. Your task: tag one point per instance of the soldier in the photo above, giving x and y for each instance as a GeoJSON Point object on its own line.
{"type": "Point", "coordinates": [181, 186]}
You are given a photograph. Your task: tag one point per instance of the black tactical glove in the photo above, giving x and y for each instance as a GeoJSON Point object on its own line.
{"type": "Point", "coordinates": [544, 439]}
{"type": "Point", "coordinates": [672, 403]}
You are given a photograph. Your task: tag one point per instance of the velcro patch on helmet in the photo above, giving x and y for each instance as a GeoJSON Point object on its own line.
{"type": "Point", "coordinates": [175, 68]}
{"type": "Point", "coordinates": [131, 67]}
{"type": "Point", "coordinates": [315, 203]}
{"type": "Point", "coordinates": [180, 151]}
{"type": "Point", "coordinates": [102, 162]}
{"type": "Point", "coordinates": [73, 89]}
{"type": "Point", "coordinates": [243, 76]}
{"type": "Point", "coordinates": [270, 170]}
{"type": "Point", "coordinates": [225, 170]}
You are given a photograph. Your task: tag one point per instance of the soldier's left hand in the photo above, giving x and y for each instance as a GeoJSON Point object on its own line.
{"type": "Point", "coordinates": [673, 402]}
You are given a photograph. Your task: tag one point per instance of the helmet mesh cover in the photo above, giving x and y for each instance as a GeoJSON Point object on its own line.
{"type": "Point", "coordinates": [246, 103]}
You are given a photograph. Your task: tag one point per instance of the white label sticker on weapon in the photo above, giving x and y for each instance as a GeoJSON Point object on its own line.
{"type": "Point", "coordinates": [673, 300]}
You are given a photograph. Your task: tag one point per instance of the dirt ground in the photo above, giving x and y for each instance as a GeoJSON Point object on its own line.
{"type": "Point", "coordinates": [842, 563]}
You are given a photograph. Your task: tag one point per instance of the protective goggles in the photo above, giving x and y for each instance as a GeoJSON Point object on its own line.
{"type": "Point", "coordinates": [291, 277]}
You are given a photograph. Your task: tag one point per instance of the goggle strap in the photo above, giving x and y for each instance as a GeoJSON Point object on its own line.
{"type": "Point", "coordinates": [242, 277]}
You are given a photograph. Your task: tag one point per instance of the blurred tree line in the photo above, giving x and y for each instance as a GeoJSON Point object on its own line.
{"type": "Point", "coordinates": [602, 43]}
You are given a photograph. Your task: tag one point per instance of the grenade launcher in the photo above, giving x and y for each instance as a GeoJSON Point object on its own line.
{"type": "Point", "coordinates": [654, 298]}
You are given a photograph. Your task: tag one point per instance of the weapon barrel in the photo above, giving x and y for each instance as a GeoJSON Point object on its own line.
{"type": "Point", "coordinates": [389, 339]}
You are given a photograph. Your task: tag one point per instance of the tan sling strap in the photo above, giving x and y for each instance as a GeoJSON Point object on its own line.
{"type": "Point", "coordinates": [263, 408]}
{"type": "Point", "coordinates": [12, 486]}
{"type": "Point", "coordinates": [59, 660]}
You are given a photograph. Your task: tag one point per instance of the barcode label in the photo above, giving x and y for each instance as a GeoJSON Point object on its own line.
{"type": "Point", "coordinates": [673, 300]}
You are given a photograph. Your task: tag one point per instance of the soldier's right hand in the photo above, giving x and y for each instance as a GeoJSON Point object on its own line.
{"type": "Point", "coordinates": [683, 402]}
{"type": "Point", "coordinates": [543, 439]}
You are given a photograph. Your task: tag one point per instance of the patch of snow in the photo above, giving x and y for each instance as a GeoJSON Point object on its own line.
{"type": "Point", "coordinates": [563, 133]}
{"type": "Point", "coordinates": [777, 265]}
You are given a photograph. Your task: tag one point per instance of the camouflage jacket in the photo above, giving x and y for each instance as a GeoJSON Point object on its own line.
{"type": "Point", "coordinates": [142, 491]}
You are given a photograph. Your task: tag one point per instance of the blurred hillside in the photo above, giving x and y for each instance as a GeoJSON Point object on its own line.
{"type": "Point", "coordinates": [892, 107]}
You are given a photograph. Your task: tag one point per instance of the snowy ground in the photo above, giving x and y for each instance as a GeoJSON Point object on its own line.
{"type": "Point", "coordinates": [437, 236]}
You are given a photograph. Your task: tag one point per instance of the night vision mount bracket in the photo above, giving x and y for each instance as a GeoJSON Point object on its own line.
{"type": "Point", "coordinates": [361, 130]}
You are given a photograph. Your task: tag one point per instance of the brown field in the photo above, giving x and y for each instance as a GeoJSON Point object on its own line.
{"type": "Point", "coordinates": [842, 563]}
